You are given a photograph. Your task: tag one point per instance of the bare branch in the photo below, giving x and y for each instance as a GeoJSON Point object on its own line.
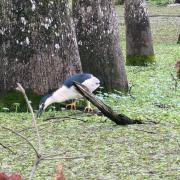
{"type": "Point", "coordinates": [65, 117]}
{"type": "Point", "coordinates": [14, 132]}
{"type": "Point", "coordinates": [53, 155]}
{"type": "Point", "coordinates": [35, 166]}
{"type": "Point", "coordinates": [129, 91]}
{"type": "Point", "coordinates": [21, 89]}
{"type": "Point", "coordinates": [142, 130]}
{"type": "Point", "coordinates": [5, 147]}
{"type": "Point", "coordinates": [175, 82]}
{"type": "Point", "coordinates": [39, 141]}
{"type": "Point", "coordinates": [57, 158]}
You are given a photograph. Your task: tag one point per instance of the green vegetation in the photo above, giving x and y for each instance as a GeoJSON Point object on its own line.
{"type": "Point", "coordinates": [162, 2]}
{"type": "Point", "coordinates": [140, 60]}
{"type": "Point", "coordinates": [132, 152]}
{"type": "Point", "coordinates": [15, 101]}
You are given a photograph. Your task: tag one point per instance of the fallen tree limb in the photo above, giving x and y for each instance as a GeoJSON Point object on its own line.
{"type": "Point", "coordinates": [119, 119]}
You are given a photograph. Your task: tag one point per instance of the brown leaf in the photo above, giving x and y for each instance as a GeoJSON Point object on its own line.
{"type": "Point", "coordinates": [59, 172]}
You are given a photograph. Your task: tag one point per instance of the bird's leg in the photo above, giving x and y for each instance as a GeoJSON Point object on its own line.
{"type": "Point", "coordinates": [88, 108]}
{"type": "Point", "coordinates": [72, 105]}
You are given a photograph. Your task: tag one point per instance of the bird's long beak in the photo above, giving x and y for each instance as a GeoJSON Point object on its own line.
{"type": "Point", "coordinates": [40, 112]}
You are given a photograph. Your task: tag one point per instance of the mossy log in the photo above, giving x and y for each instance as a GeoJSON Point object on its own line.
{"type": "Point", "coordinates": [119, 119]}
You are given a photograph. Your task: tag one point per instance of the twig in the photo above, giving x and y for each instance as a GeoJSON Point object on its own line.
{"type": "Point", "coordinates": [78, 157]}
{"type": "Point", "coordinates": [65, 117]}
{"type": "Point", "coordinates": [53, 155]}
{"type": "Point", "coordinates": [21, 89]}
{"type": "Point", "coordinates": [35, 166]}
{"type": "Point", "coordinates": [5, 147]}
{"type": "Point", "coordinates": [176, 82]}
{"type": "Point", "coordinates": [14, 132]}
{"type": "Point", "coordinates": [129, 91]}
{"type": "Point", "coordinates": [150, 132]}
{"type": "Point", "coordinates": [39, 141]}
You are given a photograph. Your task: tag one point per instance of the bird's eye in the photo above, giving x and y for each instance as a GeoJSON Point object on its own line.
{"type": "Point", "coordinates": [41, 105]}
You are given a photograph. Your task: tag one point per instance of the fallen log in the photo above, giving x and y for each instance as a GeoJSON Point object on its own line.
{"type": "Point", "coordinates": [119, 119]}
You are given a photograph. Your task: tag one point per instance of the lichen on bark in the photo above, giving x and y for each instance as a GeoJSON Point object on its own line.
{"type": "Point", "coordinates": [38, 45]}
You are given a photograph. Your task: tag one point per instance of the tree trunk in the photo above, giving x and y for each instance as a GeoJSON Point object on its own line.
{"type": "Point", "coordinates": [139, 45]}
{"type": "Point", "coordinates": [177, 1]}
{"type": "Point", "coordinates": [119, 2]}
{"type": "Point", "coordinates": [38, 44]}
{"type": "Point", "coordinates": [178, 41]}
{"type": "Point", "coordinates": [178, 69]}
{"type": "Point", "coordinates": [98, 40]}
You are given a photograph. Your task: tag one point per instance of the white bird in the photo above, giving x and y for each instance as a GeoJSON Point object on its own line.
{"type": "Point", "coordinates": [68, 92]}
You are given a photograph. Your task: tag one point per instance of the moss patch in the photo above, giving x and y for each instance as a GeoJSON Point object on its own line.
{"type": "Point", "coordinates": [140, 60]}
{"type": "Point", "coordinates": [12, 99]}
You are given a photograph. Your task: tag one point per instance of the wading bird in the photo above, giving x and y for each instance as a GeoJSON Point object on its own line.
{"type": "Point", "coordinates": [68, 92]}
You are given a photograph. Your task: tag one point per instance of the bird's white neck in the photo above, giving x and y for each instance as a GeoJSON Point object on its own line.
{"type": "Point", "coordinates": [58, 96]}
{"type": "Point", "coordinates": [48, 102]}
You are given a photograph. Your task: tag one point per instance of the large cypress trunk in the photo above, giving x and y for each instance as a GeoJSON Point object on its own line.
{"type": "Point", "coordinates": [99, 44]}
{"type": "Point", "coordinates": [139, 46]}
{"type": "Point", "coordinates": [38, 44]}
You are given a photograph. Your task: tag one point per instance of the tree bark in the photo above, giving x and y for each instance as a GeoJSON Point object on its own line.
{"type": "Point", "coordinates": [178, 41]}
{"type": "Point", "coordinates": [119, 2]}
{"type": "Point", "coordinates": [177, 1]}
{"type": "Point", "coordinates": [98, 40]}
{"type": "Point", "coordinates": [139, 45]}
{"type": "Point", "coordinates": [178, 69]}
{"type": "Point", "coordinates": [38, 44]}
